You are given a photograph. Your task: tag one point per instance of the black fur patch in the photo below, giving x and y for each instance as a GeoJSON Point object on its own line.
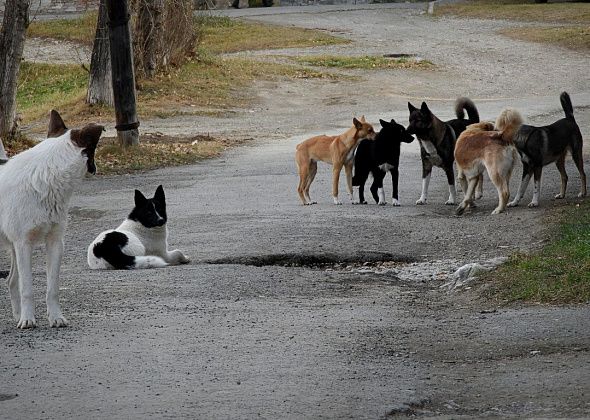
{"type": "Point", "coordinates": [110, 250]}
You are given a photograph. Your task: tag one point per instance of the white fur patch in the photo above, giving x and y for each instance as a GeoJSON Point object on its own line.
{"type": "Point", "coordinates": [386, 167]}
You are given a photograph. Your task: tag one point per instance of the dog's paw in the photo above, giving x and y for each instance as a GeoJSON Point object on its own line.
{"type": "Point", "coordinates": [395, 202]}
{"type": "Point", "coordinates": [337, 202]}
{"type": "Point", "coordinates": [533, 204]}
{"type": "Point", "coordinates": [382, 203]}
{"type": "Point", "coordinates": [498, 210]}
{"type": "Point", "coordinates": [559, 196]}
{"type": "Point", "coordinates": [513, 204]}
{"type": "Point", "coordinates": [478, 196]}
{"type": "Point", "coordinates": [26, 322]}
{"type": "Point", "coordinates": [421, 201]}
{"type": "Point", "coordinates": [450, 202]}
{"type": "Point", "coordinates": [57, 321]}
{"type": "Point", "coordinates": [183, 259]}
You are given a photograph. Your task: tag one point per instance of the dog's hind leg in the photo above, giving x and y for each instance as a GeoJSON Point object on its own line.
{"type": "Point", "coordinates": [303, 180]}
{"type": "Point", "coordinates": [394, 184]}
{"type": "Point", "coordinates": [468, 199]}
{"type": "Point", "coordinates": [560, 163]}
{"type": "Point", "coordinates": [377, 187]}
{"type": "Point", "coordinates": [579, 161]}
{"type": "Point", "coordinates": [537, 187]}
{"type": "Point", "coordinates": [55, 248]}
{"type": "Point", "coordinates": [23, 252]}
{"type": "Point", "coordinates": [313, 170]}
{"type": "Point", "coordinates": [13, 285]}
{"type": "Point", "coordinates": [479, 189]}
{"type": "Point", "coordinates": [527, 172]}
{"type": "Point", "coordinates": [501, 183]}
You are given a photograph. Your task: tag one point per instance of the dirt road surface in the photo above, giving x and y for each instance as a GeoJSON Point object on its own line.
{"type": "Point", "coordinates": [255, 326]}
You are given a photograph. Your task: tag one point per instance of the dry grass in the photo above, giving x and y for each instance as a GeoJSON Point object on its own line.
{"type": "Point", "coordinates": [155, 152]}
{"type": "Point", "coordinates": [572, 37]}
{"type": "Point", "coordinates": [526, 11]}
{"type": "Point", "coordinates": [365, 62]}
{"type": "Point", "coordinates": [224, 35]}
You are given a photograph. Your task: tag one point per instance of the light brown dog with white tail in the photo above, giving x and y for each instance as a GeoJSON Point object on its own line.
{"type": "Point", "coordinates": [335, 150]}
{"type": "Point", "coordinates": [483, 146]}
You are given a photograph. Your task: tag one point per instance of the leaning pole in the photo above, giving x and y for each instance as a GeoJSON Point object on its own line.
{"type": "Point", "coordinates": [122, 72]}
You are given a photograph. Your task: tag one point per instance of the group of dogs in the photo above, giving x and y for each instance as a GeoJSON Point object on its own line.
{"type": "Point", "coordinates": [473, 145]}
{"type": "Point", "coordinates": [36, 185]}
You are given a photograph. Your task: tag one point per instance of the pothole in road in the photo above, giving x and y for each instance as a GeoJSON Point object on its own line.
{"type": "Point", "coordinates": [323, 261]}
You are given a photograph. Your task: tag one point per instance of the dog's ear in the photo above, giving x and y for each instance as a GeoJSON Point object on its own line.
{"type": "Point", "coordinates": [139, 198]}
{"type": "Point", "coordinates": [357, 123]}
{"type": "Point", "coordinates": [383, 123]}
{"type": "Point", "coordinates": [363, 119]}
{"type": "Point", "coordinates": [159, 195]}
{"type": "Point", "coordinates": [392, 122]}
{"type": "Point", "coordinates": [411, 107]}
{"type": "Point", "coordinates": [57, 126]}
{"type": "Point", "coordinates": [424, 108]}
{"type": "Point", "coordinates": [88, 136]}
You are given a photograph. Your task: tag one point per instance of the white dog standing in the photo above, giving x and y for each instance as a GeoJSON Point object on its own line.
{"type": "Point", "coordinates": [35, 191]}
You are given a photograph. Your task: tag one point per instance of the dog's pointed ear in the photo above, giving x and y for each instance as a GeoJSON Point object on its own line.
{"type": "Point", "coordinates": [411, 107]}
{"type": "Point", "coordinates": [363, 119]}
{"type": "Point", "coordinates": [57, 126]}
{"type": "Point", "coordinates": [88, 136]}
{"type": "Point", "coordinates": [159, 195]}
{"type": "Point", "coordinates": [139, 198]}
{"type": "Point", "coordinates": [424, 108]}
{"type": "Point", "coordinates": [383, 123]}
{"type": "Point", "coordinates": [357, 123]}
{"type": "Point", "coordinates": [392, 122]}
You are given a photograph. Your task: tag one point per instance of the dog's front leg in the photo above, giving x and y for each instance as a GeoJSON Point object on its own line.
{"type": "Point", "coordinates": [348, 171]}
{"type": "Point", "coordinates": [13, 285]}
{"type": "Point", "coordinates": [55, 248]}
{"type": "Point", "coordinates": [335, 180]}
{"type": "Point", "coordinates": [452, 190]}
{"type": "Point", "coordinates": [23, 252]}
{"type": "Point", "coordinates": [426, 172]}
{"type": "Point", "coordinates": [176, 257]}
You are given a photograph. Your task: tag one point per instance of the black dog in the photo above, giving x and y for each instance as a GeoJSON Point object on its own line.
{"type": "Point", "coordinates": [377, 157]}
{"type": "Point", "coordinates": [437, 141]}
{"type": "Point", "coordinates": [539, 146]}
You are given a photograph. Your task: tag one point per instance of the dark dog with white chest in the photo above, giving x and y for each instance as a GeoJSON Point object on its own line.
{"type": "Point", "coordinates": [539, 146]}
{"type": "Point", "coordinates": [437, 141]}
{"type": "Point", "coordinates": [378, 157]}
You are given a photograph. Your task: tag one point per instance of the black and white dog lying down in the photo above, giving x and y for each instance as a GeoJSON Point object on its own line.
{"type": "Point", "coordinates": [141, 241]}
{"type": "Point", "coordinates": [378, 157]}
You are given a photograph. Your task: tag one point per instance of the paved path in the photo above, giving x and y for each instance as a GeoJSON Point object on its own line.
{"type": "Point", "coordinates": [234, 340]}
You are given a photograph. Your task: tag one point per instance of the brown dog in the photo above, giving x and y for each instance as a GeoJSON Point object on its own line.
{"type": "Point", "coordinates": [481, 147]}
{"type": "Point", "coordinates": [335, 150]}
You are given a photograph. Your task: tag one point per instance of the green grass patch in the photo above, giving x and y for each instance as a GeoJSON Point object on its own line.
{"type": "Point", "coordinates": [572, 37]}
{"type": "Point", "coordinates": [560, 273]}
{"type": "Point", "coordinates": [42, 87]}
{"type": "Point", "coordinates": [364, 62]}
{"type": "Point", "coordinates": [519, 10]}
{"type": "Point", "coordinates": [225, 35]}
{"type": "Point", "coordinates": [79, 30]}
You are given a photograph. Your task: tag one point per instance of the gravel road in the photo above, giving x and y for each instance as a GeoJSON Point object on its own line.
{"type": "Point", "coordinates": [353, 323]}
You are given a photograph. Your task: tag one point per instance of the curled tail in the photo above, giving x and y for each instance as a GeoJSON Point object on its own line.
{"type": "Point", "coordinates": [566, 104]}
{"type": "Point", "coordinates": [465, 104]}
{"type": "Point", "coordinates": [508, 122]}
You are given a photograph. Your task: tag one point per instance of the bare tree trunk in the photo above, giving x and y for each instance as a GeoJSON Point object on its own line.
{"type": "Point", "coordinates": [12, 44]}
{"type": "Point", "coordinates": [100, 86]}
{"type": "Point", "coordinates": [123, 73]}
{"type": "Point", "coordinates": [149, 28]}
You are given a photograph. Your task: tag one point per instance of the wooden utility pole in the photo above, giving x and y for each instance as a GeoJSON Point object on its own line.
{"type": "Point", "coordinates": [100, 86]}
{"type": "Point", "coordinates": [122, 71]}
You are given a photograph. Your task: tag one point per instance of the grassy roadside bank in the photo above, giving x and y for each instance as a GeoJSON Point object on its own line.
{"type": "Point", "coordinates": [559, 273]}
{"type": "Point", "coordinates": [568, 21]}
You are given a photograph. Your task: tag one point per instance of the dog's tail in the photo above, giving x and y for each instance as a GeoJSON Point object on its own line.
{"type": "Point", "coordinates": [465, 104]}
{"type": "Point", "coordinates": [566, 104]}
{"type": "Point", "coordinates": [508, 122]}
